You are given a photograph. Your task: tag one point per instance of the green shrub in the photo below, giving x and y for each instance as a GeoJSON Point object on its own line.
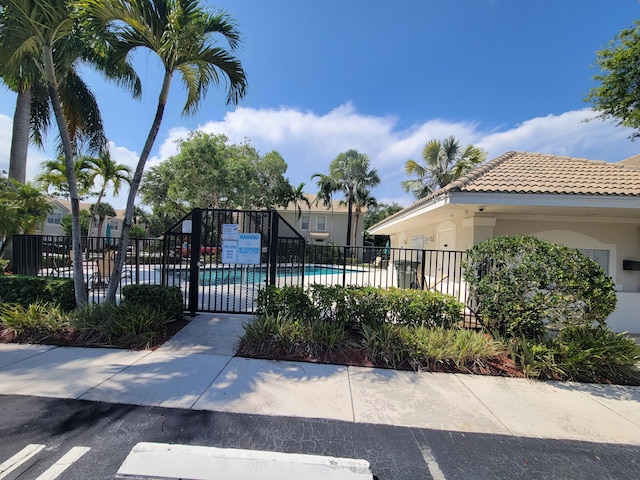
{"type": "Point", "coordinates": [3, 265]}
{"type": "Point", "coordinates": [288, 301]}
{"type": "Point", "coordinates": [35, 323]}
{"type": "Point", "coordinates": [424, 348]}
{"type": "Point", "coordinates": [582, 354]}
{"type": "Point", "coordinates": [386, 344]}
{"type": "Point", "coordinates": [353, 306]}
{"type": "Point", "coordinates": [25, 290]}
{"type": "Point", "coordinates": [126, 326]}
{"type": "Point", "coordinates": [164, 299]}
{"type": "Point", "coordinates": [421, 308]}
{"type": "Point", "coordinates": [521, 284]}
{"type": "Point", "coordinates": [280, 336]}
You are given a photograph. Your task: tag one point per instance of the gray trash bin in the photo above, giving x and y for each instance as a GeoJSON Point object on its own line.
{"type": "Point", "coordinates": [407, 273]}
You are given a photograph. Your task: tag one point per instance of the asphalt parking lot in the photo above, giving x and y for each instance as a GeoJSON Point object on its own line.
{"type": "Point", "coordinates": [93, 439]}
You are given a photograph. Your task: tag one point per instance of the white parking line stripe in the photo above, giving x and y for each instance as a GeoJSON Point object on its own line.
{"type": "Point", "coordinates": [434, 468]}
{"type": "Point", "coordinates": [19, 458]}
{"type": "Point", "coordinates": [65, 462]}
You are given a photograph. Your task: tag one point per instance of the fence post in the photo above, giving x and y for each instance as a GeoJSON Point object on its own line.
{"type": "Point", "coordinates": [194, 264]}
{"type": "Point", "coordinates": [422, 267]}
{"type": "Point", "coordinates": [273, 246]}
{"type": "Point", "coordinates": [344, 267]}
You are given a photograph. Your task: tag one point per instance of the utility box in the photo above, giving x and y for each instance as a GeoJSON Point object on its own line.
{"type": "Point", "coordinates": [407, 272]}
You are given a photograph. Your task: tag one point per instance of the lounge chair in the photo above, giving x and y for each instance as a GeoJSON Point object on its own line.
{"type": "Point", "coordinates": [105, 265]}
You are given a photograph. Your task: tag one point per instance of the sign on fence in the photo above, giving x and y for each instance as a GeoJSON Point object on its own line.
{"type": "Point", "coordinates": [240, 248]}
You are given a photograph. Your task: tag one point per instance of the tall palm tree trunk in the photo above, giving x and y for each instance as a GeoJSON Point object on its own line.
{"type": "Point", "coordinates": [114, 281]}
{"type": "Point", "coordinates": [350, 207]}
{"type": "Point", "coordinates": [76, 239]}
{"type": "Point", "coordinates": [20, 135]}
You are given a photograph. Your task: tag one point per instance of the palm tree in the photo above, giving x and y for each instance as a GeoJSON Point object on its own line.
{"type": "Point", "coordinates": [296, 196]}
{"type": "Point", "coordinates": [32, 115]}
{"type": "Point", "coordinates": [101, 211]}
{"type": "Point", "coordinates": [54, 176]}
{"type": "Point", "coordinates": [36, 29]}
{"type": "Point", "coordinates": [111, 173]}
{"type": "Point", "coordinates": [444, 162]}
{"type": "Point", "coordinates": [183, 36]}
{"type": "Point", "coordinates": [22, 207]}
{"type": "Point", "coordinates": [18, 80]}
{"type": "Point", "coordinates": [362, 199]}
{"type": "Point", "coordinates": [349, 173]}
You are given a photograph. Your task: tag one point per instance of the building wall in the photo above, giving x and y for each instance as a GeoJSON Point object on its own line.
{"type": "Point", "coordinates": [621, 240]}
{"type": "Point", "coordinates": [335, 226]}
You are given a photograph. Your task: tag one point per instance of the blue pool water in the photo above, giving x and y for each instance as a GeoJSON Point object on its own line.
{"type": "Point", "coordinates": [251, 274]}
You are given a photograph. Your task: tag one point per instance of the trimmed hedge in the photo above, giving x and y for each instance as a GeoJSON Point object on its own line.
{"type": "Point", "coordinates": [162, 298]}
{"type": "Point", "coordinates": [26, 290]}
{"type": "Point", "coordinates": [361, 305]}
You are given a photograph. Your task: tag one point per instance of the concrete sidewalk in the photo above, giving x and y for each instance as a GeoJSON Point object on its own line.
{"type": "Point", "coordinates": [197, 370]}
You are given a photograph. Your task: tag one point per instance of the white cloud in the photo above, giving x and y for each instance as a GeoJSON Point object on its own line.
{"type": "Point", "coordinates": [564, 134]}
{"type": "Point", "coordinates": [5, 141]}
{"type": "Point", "coordinates": [309, 141]}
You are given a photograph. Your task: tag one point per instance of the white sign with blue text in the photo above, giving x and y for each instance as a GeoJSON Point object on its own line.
{"type": "Point", "coordinates": [249, 248]}
{"type": "Point", "coordinates": [240, 248]}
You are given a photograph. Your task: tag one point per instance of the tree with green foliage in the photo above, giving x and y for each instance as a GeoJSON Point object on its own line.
{"type": "Point", "coordinates": [85, 223]}
{"type": "Point", "coordinates": [138, 232]}
{"type": "Point", "coordinates": [46, 34]}
{"type": "Point", "coordinates": [110, 172]}
{"type": "Point", "coordinates": [22, 207]}
{"type": "Point", "coordinates": [617, 96]}
{"type": "Point", "coordinates": [297, 197]}
{"type": "Point", "coordinates": [208, 172]}
{"type": "Point", "coordinates": [101, 211]}
{"type": "Point", "coordinates": [184, 36]}
{"type": "Point", "coordinates": [349, 173]}
{"type": "Point", "coordinates": [443, 162]}
{"type": "Point", "coordinates": [32, 116]}
{"type": "Point", "coordinates": [521, 285]}
{"type": "Point", "coordinates": [377, 213]}
{"type": "Point", "coordinates": [54, 177]}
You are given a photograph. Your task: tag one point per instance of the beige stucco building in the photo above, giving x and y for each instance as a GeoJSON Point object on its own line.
{"type": "Point", "coordinates": [60, 208]}
{"type": "Point", "coordinates": [324, 225]}
{"type": "Point", "coordinates": [590, 205]}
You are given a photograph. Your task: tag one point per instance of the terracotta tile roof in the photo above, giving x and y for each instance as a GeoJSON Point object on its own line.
{"type": "Point", "coordinates": [537, 173]}
{"type": "Point", "coordinates": [631, 161]}
{"type": "Point", "coordinates": [524, 172]}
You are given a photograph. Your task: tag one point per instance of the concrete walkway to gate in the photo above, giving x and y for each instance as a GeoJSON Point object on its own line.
{"type": "Point", "coordinates": [197, 370]}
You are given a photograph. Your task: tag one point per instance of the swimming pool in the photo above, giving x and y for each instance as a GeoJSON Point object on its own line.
{"type": "Point", "coordinates": [255, 274]}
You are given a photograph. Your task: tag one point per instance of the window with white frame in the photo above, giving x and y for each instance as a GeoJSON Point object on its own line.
{"type": "Point", "coordinates": [304, 222]}
{"type": "Point", "coordinates": [321, 223]}
{"type": "Point", "coordinates": [113, 225]}
{"type": "Point", "coordinates": [54, 218]}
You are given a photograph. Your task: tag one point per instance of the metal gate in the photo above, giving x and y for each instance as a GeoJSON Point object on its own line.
{"type": "Point", "coordinates": [222, 258]}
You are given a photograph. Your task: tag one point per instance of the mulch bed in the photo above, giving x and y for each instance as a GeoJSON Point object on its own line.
{"type": "Point", "coordinates": [497, 366]}
{"type": "Point", "coordinates": [502, 366]}
{"type": "Point", "coordinates": [71, 337]}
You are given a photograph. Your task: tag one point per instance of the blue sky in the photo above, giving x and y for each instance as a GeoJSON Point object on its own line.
{"type": "Point", "coordinates": [385, 77]}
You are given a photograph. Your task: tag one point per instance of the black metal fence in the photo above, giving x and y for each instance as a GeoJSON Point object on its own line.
{"type": "Point", "coordinates": [384, 267]}
{"type": "Point", "coordinates": [219, 286]}
{"type": "Point", "coordinates": [222, 273]}
{"type": "Point", "coordinates": [51, 255]}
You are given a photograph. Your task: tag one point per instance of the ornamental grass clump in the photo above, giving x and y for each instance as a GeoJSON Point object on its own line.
{"type": "Point", "coordinates": [125, 326]}
{"type": "Point", "coordinates": [36, 323]}
{"type": "Point", "coordinates": [581, 354]}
